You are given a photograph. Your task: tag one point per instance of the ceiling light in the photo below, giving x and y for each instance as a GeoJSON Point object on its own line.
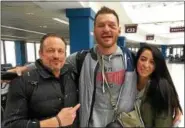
{"type": "Point", "coordinates": [29, 13]}
{"type": "Point", "coordinates": [43, 26]}
{"type": "Point", "coordinates": [22, 29]}
{"type": "Point", "coordinates": [61, 21]}
{"type": "Point", "coordinates": [14, 36]}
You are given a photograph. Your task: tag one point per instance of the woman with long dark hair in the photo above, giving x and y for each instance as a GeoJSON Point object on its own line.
{"type": "Point", "coordinates": [156, 90]}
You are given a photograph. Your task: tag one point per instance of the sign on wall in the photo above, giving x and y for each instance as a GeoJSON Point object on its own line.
{"type": "Point", "coordinates": [130, 28]}
{"type": "Point", "coordinates": [150, 37]}
{"type": "Point", "coordinates": [177, 29]}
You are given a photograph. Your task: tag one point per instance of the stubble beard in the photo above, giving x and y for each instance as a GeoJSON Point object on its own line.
{"type": "Point", "coordinates": [106, 46]}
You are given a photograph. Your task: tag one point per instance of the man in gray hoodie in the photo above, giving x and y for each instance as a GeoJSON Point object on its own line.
{"type": "Point", "coordinates": [107, 81]}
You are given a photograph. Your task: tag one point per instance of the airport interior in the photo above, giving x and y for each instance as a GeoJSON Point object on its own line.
{"type": "Point", "coordinates": [23, 23]}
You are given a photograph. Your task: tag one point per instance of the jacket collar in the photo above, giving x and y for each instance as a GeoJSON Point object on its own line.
{"type": "Point", "coordinates": [45, 72]}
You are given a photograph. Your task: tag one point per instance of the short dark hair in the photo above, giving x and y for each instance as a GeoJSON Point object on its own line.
{"type": "Point", "coordinates": [50, 35]}
{"type": "Point", "coordinates": [106, 10]}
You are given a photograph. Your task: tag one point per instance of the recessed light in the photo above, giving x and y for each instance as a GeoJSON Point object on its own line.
{"type": "Point", "coordinates": [20, 29]}
{"type": "Point", "coordinates": [30, 13]}
{"type": "Point", "coordinates": [14, 36]}
{"type": "Point", "coordinates": [43, 26]}
{"type": "Point", "coordinates": [61, 21]}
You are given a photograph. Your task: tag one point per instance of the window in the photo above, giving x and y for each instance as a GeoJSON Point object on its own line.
{"type": "Point", "coordinates": [174, 51]}
{"type": "Point", "coordinates": [68, 50]}
{"type": "Point", "coordinates": [10, 52]}
{"type": "Point", "coordinates": [136, 49]}
{"type": "Point", "coordinates": [37, 50]}
{"type": "Point", "coordinates": [179, 51]}
{"type": "Point", "coordinates": [2, 53]}
{"type": "Point", "coordinates": [30, 52]}
{"type": "Point", "coordinates": [167, 52]}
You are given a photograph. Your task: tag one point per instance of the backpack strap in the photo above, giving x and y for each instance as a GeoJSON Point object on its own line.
{"type": "Point", "coordinates": [32, 80]}
{"type": "Point", "coordinates": [72, 73]}
{"type": "Point", "coordinates": [130, 59]}
{"type": "Point", "coordinates": [80, 59]}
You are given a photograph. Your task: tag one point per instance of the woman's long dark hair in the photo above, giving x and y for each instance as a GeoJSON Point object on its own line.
{"type": "Point", "coordinates": [161, 92]}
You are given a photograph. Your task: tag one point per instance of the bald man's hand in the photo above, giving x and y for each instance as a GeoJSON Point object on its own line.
{"type": "Point", "coordinates": [67, 115]}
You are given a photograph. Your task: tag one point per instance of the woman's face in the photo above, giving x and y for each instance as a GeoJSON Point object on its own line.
{"type": "Point", "coordinates": [145, 64]}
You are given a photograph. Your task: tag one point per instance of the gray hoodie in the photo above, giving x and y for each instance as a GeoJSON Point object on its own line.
{"type": "Point", "coordinates": [99, 73]}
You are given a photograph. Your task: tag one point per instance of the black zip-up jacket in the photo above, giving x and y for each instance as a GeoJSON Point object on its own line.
{"type": "Point", "coordinates": [38, 95]}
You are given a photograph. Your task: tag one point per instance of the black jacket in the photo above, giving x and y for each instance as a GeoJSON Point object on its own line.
{"type": "Point", "coordinates": [38, 95]}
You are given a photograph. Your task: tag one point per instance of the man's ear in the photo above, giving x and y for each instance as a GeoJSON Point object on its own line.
{"type": "Point", "coordinates": [40, 53]}
{"type": "Point", "coordinates": [94, 33]}
{"type": "Point", "coordinates": [119, 30]}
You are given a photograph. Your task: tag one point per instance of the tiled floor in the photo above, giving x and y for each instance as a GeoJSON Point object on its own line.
{"type": "Point", "coordinates": [177, 73]}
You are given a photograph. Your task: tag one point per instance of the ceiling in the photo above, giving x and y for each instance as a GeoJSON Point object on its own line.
{"type": "Point", "coordinates": [31, 20]}
{"type": "Point", "coordinates": [157, 17]}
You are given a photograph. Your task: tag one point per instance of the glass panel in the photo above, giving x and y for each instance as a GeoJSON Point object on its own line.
{"type": "Point", "coordinates": [68, 50]}
{"type": "Point", "coordinates": [136, 49]}
{"type": "Point", "coordinates": [167, 52]}
{"type": "Point", "coordinates": [2, 53]}
{"type": "Point", "coordinates": [181, 51]}
{"type": "Point", "coordinates": [10, 52]}
{"type": "Point", "coordinates": [174, 51]}
{"type": "Point", "coordinates": [37, 50]}
{"type": "Point", "coordinates": [178, 51]}
{"type": "Point", "coordinates": [30, 52]}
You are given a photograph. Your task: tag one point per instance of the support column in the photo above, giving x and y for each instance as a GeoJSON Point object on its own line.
{"type": "Point", "coordinates": [163, 50]}
{"type": "Point", "coordinates": [81, 24]}
{"type": "Point", "coordinates": [121, 41]}
{"type": "Point", "coordinates": [20, 52]}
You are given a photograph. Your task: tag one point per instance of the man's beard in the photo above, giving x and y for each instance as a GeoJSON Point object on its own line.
{"type": "Point", "coordinates": [106, 45]}
{"type": "Point", "coordinates": [55, 69]}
